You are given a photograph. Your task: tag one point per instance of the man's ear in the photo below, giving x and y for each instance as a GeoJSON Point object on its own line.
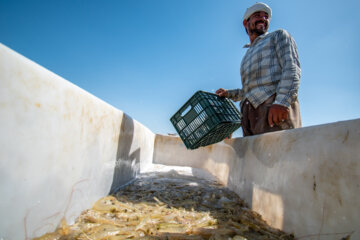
{"type": "Point", "coordinates": [245, 22]}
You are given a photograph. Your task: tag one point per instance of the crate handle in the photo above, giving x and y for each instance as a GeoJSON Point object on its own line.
{"type": "Point", "coordinates": [186, 111]}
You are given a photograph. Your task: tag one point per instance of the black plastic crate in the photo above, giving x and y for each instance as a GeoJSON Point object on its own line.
{"type": "Point", "coordinates": [205, 119]}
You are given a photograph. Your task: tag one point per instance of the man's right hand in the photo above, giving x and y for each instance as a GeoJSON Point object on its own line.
{"type": "Point", "coordinates": [277, 113]}
{"type": "Point", "coordinates": [222, 92]}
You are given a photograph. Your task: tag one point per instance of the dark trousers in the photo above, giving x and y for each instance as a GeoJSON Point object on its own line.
{"type": "Point", "coordinates": [255, 120]}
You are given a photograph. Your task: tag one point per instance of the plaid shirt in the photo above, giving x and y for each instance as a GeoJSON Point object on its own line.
{"type": "Point", "coordinates": [270, 66]}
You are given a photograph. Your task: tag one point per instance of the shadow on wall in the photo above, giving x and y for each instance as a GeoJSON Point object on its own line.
{"type": "Point", "coordinates": [127, 164]}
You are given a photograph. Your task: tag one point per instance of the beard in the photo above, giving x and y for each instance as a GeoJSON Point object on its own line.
{"type": "Point", "coordinates": [258, 31]}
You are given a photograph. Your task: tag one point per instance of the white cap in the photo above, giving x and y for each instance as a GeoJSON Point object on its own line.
{"type": "Point", "coordinates": [256, 8]}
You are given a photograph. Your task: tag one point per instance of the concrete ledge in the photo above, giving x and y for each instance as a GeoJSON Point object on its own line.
{"type": "Point", "coordinates": [62, 149]}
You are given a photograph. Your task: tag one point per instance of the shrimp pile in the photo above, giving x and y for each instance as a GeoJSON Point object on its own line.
{"type": "Point", "coordinates": [170, 206]}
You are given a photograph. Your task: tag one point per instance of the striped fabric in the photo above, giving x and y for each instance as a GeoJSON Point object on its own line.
{"type": "Point", "coordinates": [270, 66]}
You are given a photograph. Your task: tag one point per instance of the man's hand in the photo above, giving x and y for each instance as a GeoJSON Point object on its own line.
{"type": "Point", "coordinates": [277, 114]}
{"type": "Point", "coordinates": [222, 92]}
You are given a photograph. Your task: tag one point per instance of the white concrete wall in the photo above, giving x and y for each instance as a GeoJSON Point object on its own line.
{"type": "Point", "coordinates": [305, 181]}
{"type": "Point", "coordinates": [61, 148]}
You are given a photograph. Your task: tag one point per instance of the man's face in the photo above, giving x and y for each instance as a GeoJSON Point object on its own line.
{"type": "Point", "coordinates": [258, 23]}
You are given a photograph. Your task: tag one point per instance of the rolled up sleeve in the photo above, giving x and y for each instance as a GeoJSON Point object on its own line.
{"type": "Point", "coordinates": [236, 94]}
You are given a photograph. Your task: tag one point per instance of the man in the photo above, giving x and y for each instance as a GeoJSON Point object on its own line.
{"type": "Point", "coordinates": [270, 76]}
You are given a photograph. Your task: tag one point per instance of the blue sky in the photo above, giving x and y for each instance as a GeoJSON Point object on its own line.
{"type": "Point", "coordinates": [148, 57]}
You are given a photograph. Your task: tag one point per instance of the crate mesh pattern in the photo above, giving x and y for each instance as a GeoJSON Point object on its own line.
{"type": "Point", "coordinates": [205, 119]}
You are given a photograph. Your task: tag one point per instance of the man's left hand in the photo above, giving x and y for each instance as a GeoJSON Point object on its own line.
{"type": "Point", "coordinates": [277, 114]}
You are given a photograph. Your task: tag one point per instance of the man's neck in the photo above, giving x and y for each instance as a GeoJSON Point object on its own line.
{"type": "Point", "coordinates": [254, 36]}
